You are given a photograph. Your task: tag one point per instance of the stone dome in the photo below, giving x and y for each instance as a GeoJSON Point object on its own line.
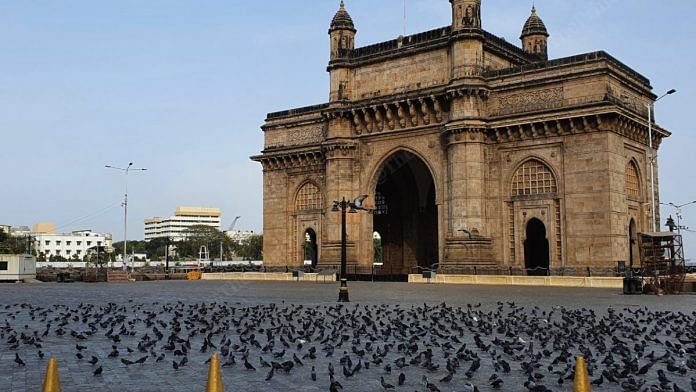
{"type": "Point", "coordinates": [342, 20]}
{"type": "Point", "coordinates": [534, 26]}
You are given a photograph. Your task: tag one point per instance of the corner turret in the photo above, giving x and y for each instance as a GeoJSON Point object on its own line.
{"type": "Point", "coordinates": [535, 36]}
{"type": "Point", "coordinates": [342, 33]}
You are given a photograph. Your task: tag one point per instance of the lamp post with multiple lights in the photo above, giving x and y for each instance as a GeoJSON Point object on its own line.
{"type": "Point", "coordinates": [125, 170]}
{"type": "Point", "coordinates": [651, 110]}
{"type": "Point", "coordinates": [678, 209]}
{"type": "Point", "coordinates": [344, 207]}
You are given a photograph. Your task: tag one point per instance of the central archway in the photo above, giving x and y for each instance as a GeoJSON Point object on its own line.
{"type": "Point", "coordinates": [536, 249]}
{"type": "Point", "coordinates": [406, 214]}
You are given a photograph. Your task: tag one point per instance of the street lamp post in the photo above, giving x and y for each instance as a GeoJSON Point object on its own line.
{"type": "Point", "coordinates": [678, 210]}
{"type": "Point", "coordinates": [344, 207]}
{"type": "Point", "coordinates": [651, 110]}
{"type": "Point", "coordinates": [125, 170]}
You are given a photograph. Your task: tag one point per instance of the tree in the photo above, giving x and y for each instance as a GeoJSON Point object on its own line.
{"type": "Point", "coordinates": [378, 250]}
{"type": "Point", "coordinates": [210, 237]}
{"type": "Point", "coordinates": [13, 245]}
{"type": "Point", "coordinates": [251, 249]}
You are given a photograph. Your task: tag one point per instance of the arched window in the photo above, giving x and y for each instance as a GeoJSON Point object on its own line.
{"type": "Point", "coordinates": [632, 181]}
{"type": "Point", "coordinates": [533, 178]}
{"type": "Point", "coordinates": [308, 198]}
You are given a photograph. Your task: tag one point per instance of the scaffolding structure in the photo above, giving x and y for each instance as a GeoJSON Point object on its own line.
{"type": "Point", "coordinates": [662, 262]}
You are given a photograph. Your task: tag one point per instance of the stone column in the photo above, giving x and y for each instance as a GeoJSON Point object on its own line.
{"type": "Point", "coordinates": [340, 182]}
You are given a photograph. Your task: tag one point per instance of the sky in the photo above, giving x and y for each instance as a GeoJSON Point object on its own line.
{"type": "Point", "coordinates": [182, 87]}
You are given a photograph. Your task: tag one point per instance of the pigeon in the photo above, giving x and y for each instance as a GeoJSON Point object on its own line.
{"type": "Point", "coordinates": [385, 384]}
{"type": "Point", "coordinates": [19, 360]}
{"type": "Point", "coordinates": [97, 371]}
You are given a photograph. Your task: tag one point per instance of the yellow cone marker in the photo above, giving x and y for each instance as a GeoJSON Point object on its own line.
{"type": "Point", "coordinates": [214, 376]}
{"type": "Point", "coordinates": [582, 380]}
{"type": "Point", "coordinates": [52, 380]}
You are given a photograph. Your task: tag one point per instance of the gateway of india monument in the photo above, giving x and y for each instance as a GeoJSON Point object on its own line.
{"type": "Point", "coordinates": [473, 151]}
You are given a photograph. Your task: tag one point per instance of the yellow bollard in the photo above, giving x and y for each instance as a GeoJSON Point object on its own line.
{"type": "Point", "coordinates": [582, 380]}
{"type": "Point", "coordinates": [52, 379]}
{"type": "Point", "coordinates": [214, 376]}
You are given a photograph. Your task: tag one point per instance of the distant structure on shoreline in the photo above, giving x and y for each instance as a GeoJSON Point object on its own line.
{"type": "Point", "coordinates": [239, 236]}
{"type": "Point", "coordinates": [183, 219]}
{"type": "Point", "coordinates": [48, 244]}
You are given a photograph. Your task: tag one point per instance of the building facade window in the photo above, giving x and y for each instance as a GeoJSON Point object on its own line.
{"type": "Point", "coordinates": [308, 198]}
{"type": "Point", "coordinates": [533, 178]}
{"type": "Point", "coordinates": [3, 265]}
{"type": "Point", "coordinates": [632, 181]}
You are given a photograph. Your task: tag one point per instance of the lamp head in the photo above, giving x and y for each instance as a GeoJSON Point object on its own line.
{"type": "Point", "coordinates": [335, 207]}
{"type": "Point", "coordinates": [672, 91]}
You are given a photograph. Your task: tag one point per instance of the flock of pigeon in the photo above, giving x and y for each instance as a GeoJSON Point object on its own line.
{"type": "Point", "coordinates": [367, 347]}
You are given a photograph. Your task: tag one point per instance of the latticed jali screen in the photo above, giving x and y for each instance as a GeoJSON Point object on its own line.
{"type": "Point", "coordinates": [632, 183]}
{"type": "Point", "coordinates": [533, 178]}
{"type": "Point", "coordinates": [308, 198]}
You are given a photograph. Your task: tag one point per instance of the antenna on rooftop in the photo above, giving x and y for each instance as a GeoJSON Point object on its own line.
{"type": "Point", "coordinates": [405, 18]}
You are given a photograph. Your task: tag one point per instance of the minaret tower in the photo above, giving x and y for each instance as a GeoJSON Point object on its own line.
{"type": "Point", "coordinates": [342, 33]}
{"type": "Point", "coordinates": [467, 47]}
{"type": "Point", "coordinates": [466, 14]}
{"type": "Point", "coordinates": [535, 36]}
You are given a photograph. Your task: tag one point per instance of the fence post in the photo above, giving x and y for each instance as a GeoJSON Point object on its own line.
{"type": "Point", "coordinates": [581, 383]}
{"type": "Point", "coordinates": [214, 383]}
{"type": "Point", "coordinates": [52, 380]}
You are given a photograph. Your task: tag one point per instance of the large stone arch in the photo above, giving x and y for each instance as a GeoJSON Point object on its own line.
{"type": "Point", "coordinates": [408, 220]}
{"type": "Point", "coordinates": [376, 168]}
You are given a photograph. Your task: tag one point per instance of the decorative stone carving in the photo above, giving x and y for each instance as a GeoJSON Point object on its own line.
{"type": "Point", "coordinates": [305, 136]}
{"type": "Point", "coordinates": [529, 101]}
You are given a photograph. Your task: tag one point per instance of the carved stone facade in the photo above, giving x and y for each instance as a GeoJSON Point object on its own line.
{"type": "Point", "coordinates": [473, 151]}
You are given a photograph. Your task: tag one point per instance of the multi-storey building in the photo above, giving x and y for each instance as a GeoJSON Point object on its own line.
{"type": "Point", "coordinates": [473, 151]}
{"type": "Point", "coordinates": [72, 246]}
{"type": "Point", "coordinates": [176, 226]}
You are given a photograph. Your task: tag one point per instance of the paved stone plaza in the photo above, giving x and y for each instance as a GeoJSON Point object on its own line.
{"type": "Point", "coordinates": [394, 324]}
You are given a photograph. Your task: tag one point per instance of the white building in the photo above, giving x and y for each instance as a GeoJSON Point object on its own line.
{"type": "Point", "coordinates": [71, 246]}
{"type": "Point", "coordinates": [17, 267]}
{"type": "Point", "coordinates": [184, 218]}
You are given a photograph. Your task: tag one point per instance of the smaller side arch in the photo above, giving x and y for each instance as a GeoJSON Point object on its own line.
{"type": "Point", "coordinates": [536, 248]}
{"type": "Point", "coordinates": [310, 247]}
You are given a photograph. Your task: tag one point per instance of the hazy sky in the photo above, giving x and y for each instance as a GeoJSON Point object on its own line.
{"type": "Point", "coordinates": [181, 87]}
